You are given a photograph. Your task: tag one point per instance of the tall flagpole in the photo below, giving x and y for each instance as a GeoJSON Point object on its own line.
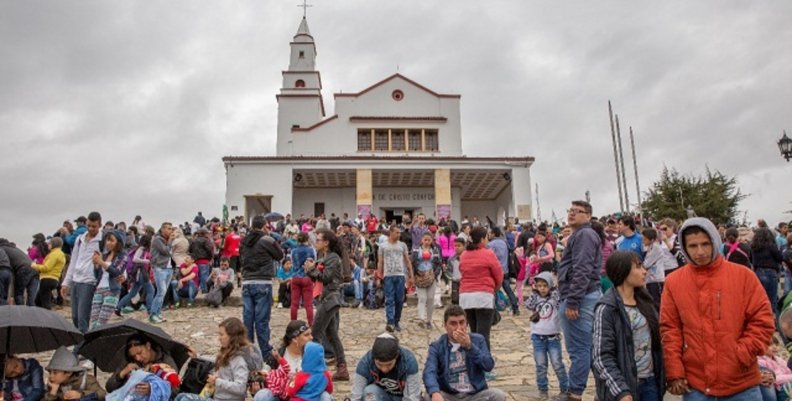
{"type": "Point", "coordinates": [635, 167]}
{"type": "Point", "coordinates": [621, 163]}
{"type": "Point", "coordinates": [616, 158]}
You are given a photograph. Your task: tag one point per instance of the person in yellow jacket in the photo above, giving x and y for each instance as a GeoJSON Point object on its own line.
{"type": "Point", "coordinates": [50, 272]}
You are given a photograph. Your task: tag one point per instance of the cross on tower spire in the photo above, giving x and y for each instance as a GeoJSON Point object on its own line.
{"type": "Point", "coordinates": [305, 6]}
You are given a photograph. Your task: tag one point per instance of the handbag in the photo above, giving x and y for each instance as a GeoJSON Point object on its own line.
{"type": "Point", "coordinates": [215, 296]}
{"type": "Point", "coordinates": [194, 379]}
{"type": "Point", "coordinates": [424, 279]}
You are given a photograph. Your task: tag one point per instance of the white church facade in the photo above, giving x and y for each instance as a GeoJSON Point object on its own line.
{"type": "Point", "coordinates": [392, 148]}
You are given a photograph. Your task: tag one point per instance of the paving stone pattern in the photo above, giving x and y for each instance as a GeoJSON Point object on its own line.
{"type": "Point", "coordinates": [511, 341]}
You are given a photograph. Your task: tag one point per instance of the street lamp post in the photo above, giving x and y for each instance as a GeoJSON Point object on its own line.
{"type": "Point", "coordinates": [785, 146]}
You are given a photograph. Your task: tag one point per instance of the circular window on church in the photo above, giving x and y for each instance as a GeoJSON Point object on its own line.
{"type": "Point", "coordinates": [299, 84]}
{"type": "Point", "coordinates": [397, 95]}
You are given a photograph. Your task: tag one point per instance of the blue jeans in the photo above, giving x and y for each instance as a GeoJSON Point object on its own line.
{"type": "Point", "coordinates": [647, 390]}
{"type": "Point", "coordinates": [256, 310]}
{"type": "Point", "coordinates": [769, 280]}
{"type": "Point", "coordinates": [768, 393]}
{"type": "Point", "coordinates": [354, 288]}
{"type": "Point", "coordinates": [506, 285]}
{"type": "Point", "coordinates": [266, 395]}
{"type": "Point", "coordinates": [393, 287]}
{"type": "Point", "coordinates": [577, 335]}
{"type": "Point", "coordinates": [373, 392]}
{"type": "Point", "coordinates": [32, 290]}
{"type": "Point", "coordinates": [544, 346]}
{"type": "Point", "coordinates": [787, 281]}
{"type": "Point", "coordinates": [81, 298]}
{"type": "Point", "coordinates": [187, 291]}
{"type": "Point", "coordinates": [752, 394]}
{"type": "Point", "coordinates": [127, 299]}
{"type": "Point", "coordinates": [204, 271]}
{"type": "Point", "coordinates": [162, 278]}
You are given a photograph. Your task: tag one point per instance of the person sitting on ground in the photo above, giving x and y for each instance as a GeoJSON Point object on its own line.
{"type": "Point", "coordinates": [776, 375]}
{"type": "Point", "coordinates": [456, 363]}
{"type": "Point", "coordinates": [222, 279]}
{"type": "Point", "coordinates": [24, 379]}
{"type": "Point", "coordinates": [290, 354]}
{"type": "Point", "coordinates": [388, 372]}
{"type": "Point", "coordinates": [141, 353]}
{"type": "Point", "coordinates": [228, 381]}
{"type": "Point", "coordinates": [314, 382]}
{"type": "Point", "coordinates": [284, 275]}
{"type": "Point", "coordinates": [69, 381]}
{"type": "Point", "coordinates": [353, 288]}
{"type": "Point", "coordinates": [187, 283]}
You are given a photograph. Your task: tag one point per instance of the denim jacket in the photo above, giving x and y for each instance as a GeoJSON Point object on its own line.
{"type": "Point", "coordinates": [30, 383]}
{"type": "Point", "coordinates": [115, 269]}
{"type": "Point", "coordinates": [478, 360]}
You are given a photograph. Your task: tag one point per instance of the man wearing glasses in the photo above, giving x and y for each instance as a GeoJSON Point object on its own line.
{"type": "Point", "coordinates": [579, 287]}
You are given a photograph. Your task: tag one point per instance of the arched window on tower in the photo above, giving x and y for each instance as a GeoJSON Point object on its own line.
{"type": "Point", "coordinates": [302, 54]}
{"type": "Point", "coordinates": [299, 84]}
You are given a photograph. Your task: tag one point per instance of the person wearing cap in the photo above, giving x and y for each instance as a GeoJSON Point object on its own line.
{"type": "Point", "coordinates": [387, 372]}
{"type": "Point", "coordinates": [715, 320]}
{"type": "Point", "coordinates": [68, 380]}
{"type": "Point", "coordinates": [70, 236]}
{"type": "Point", "coordinates": [24, 379]}
{"type": "Point", "coordinates": [456, 363]}
{"type": "Point", "coordinates": [108, 272]}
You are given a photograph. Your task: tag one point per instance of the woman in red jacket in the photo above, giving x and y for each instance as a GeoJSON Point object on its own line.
{"type": "Point", "coordinates": [481, 277]}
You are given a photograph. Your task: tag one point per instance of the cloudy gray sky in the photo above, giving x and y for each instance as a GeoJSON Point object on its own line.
{"type": "Point", "coordinates": [128, 107]}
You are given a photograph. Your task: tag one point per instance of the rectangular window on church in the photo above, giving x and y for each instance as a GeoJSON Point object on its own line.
{"type": "Point", "coordinates": [430, 139]}
{"type": "Point", "coordinates": [364, 140]}
{"type": "Point", "coordinates": [397, 140]}
{"type": "Point", "coordinates": [381, 140]}
{"type": "Point", "coordinates": [415, 140]}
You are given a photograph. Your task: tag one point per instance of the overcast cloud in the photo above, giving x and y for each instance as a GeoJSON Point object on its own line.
{"type": "Point", "coordinates": [128, 107]}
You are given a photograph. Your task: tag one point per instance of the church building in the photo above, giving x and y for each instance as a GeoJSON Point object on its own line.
{"type": "Point", "coordinates": [392, 148]}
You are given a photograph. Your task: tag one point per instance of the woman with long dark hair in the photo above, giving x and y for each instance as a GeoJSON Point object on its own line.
{"type": "Point", "coordinates": [138, 278]}
{"type": "Point", "coordinates": [38, 248]}
{"type": "Point", "coordinates": [766, 260]}
{"type": "Point", "coordinates": [329, 270]}
{"type": "Point", "coordinates": [230, 376]}
{"type": "Point", "coordinates": [627, 356]}
{"type": "Point", "coordinates": [481, 277]}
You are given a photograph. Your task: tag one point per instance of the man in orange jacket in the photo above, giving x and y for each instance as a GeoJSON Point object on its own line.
{"type": "Point", "coordinates": [715, 319]}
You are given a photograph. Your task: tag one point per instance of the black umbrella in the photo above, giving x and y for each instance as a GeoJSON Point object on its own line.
{"type": "Point", "coordinates": [273, 216]}
{"type": "Point", "coordinates": [106, 345]}
{"type": "Point", "coordinates": [29, 329]}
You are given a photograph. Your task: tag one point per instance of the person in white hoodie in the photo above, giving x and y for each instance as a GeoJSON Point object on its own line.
{"type": "Point", "coordinates": [546, 332]}
{"type": "Point", "coordinates": [657, 260]}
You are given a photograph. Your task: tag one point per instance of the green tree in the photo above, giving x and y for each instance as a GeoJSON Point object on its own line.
{"type": "Point", "coordinates": [713, 195]}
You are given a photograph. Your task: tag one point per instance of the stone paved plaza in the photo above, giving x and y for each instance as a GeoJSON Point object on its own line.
{"type": "Point", "coordinates": [511, 343]}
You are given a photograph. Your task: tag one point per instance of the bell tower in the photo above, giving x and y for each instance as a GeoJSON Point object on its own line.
{"type": "Point", "coordinates": [300, 102]}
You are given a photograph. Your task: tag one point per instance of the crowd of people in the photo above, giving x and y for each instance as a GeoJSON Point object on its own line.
{"type": "Point", "coordinates": [647, 307]}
